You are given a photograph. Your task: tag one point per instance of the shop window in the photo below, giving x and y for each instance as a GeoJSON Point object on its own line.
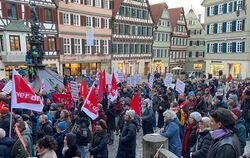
{"type": "Point", "coordinates": [48, 14]}
{"type": "Point", "coordinates": [14, 43]}
{"type": "Point", "coordinates": [12, 10]}
{"type": "Point", "coordinates": [51, 44]}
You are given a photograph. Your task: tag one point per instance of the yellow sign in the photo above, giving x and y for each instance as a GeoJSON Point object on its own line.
{"type": "Point", "coordinates": [197, 66]}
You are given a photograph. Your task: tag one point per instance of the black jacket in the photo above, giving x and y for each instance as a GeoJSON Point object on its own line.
{"type": "Point", "coordinates": [99, 147]}
{"type": "Point", "coordinates": [71, 152]}
{"type": "Point", "coordinates": [5, 147]}
{"type": "Point", "coordinates": [203, 143]}
{"type": "Point", "coordinates": [45, 129]}
{"type": "Point", "coordinates": [111, 118]}
{"type": "Point", "coordinates": [59, 137]}
{"type": "Point", "coordinates": [5, 123]}
{"type": "Point", "coordinates": [127, 142]}
{"type": "Point", "coordinates": [226, 147]}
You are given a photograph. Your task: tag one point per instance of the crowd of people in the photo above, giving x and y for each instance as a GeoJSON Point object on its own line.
{"type": "Point", "coordinates": [210, 119]}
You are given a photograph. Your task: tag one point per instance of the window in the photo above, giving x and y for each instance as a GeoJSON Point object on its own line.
{"type": "Point", "coordinates": [97, 22]}
{"type": "Point", "coordinates": [220, 10]}
{"type": "Point", "coordinates": [89, 21]}
{"type": "Point", "coordinates": [220, 48]}
{"type": "Point", "coordinates": [66, 18]}
{"type": "Point", "coordinates": [106, 23]}
{"type": "Point", "coordinates": [48, 14]}
{"type": "Point", "coordinates": [88, 49]}
{"type": "Point", "coordinates": [12, 10]}
{"type": "Point", "coordinates": [229, 47]}
{"type": "Point", "coordinates": [77, 46]}
{"type": "Point", "coordinates": [14, 43]}
{"type": "Point", "coordinates": [97, 46]}
{"type": "Point", "coordinates": [211, 28]}
{"type": "Point", "coordinates": [77, 1]}
{"type": "Point", "coordinates": [105, 47]}
{"type": "Point", "coordinates": [166, 37]}
{"type": "Point", "coordinates": [76, 20]}
{"type": "Point", "coordinates": [219, 27]}
{"type": "Point", "coordinates": [239, 46]}
{"type": "Point", "coordinates": [88, 2]}
{"type": "Point", "coordinates": [106, 4]}
{"type": "Point", "coordinates": [239, 5]}
{"type": "Point", "coordinates": [211, 47]}
{"type": "Point", "coordinates": [190, 54]}
{"type": "Point", "coordinates": [97, 3]}
{"type": "Point", "coordinates": [66, 46]}
{"type": "Point", "coordinates": [51, 44]}
{"type": "Point", "coordinates": [27, 43]}
{"type": "Point", "coordinates": [239, 25]}
{"type": "Point", "coordinates": [229, 26]}
{"type": "Point", "coordinates": [211, 10]}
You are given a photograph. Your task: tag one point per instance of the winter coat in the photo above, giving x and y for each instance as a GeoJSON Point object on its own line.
{"type": "Point", "coordinates": [221, 104]}
{"type": "Point", "coordinates": [127, 142]}
{"type": "Point", "coordinates": [18, 150]}
{"type": "Point", "coordinates": [83, 134]}
{"type": "Point", "coordinates": [59, 137]}
{"type": "Point", "coordinates": [71, 152]}
{"type": "Point", "coordinates": [111, 118]}
{"type": "Point", "coordinates": [48, 154]}
{"type": "Point", "coordinates": [225, 147]}
{"type": "Point", "coordinates": [99, 147]}
{"type": "Point", "coordinates": [241, 133]}
{"type": "Point", "coordinates": [171, 131]}
{"type": "Point", "coordinates": [203, 143]}
{"type": "Point", "coordinates": [5, 123]}
{"type": "Point", "coordinates": [147, 121]}
{"type": "Point", "coordinates": [191, 140]}
{"type": "Point", "coordinates": [45, 129]}
{"type": "Point", "coordinates": [164, 105]}
{"type": "Point", "coordinates": [201, 106]}
{"type": "Point", "coordinates": [5, 146]}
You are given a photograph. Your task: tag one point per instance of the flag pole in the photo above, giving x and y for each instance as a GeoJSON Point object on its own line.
{"type": "Point", "coordinates": [11, 110]}
{"type": "Point", "coordinates": [10, 121]}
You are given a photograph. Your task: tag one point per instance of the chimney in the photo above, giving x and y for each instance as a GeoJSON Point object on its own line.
{"type": "Point", "coordinates": [199, 17]}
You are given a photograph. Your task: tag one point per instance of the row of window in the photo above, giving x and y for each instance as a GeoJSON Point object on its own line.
{"type": "Point", "coordinates": [131, 48]}
{"type": "Point", "coordinates": [197, 43]}
{"type": "Point", "coordinates": [133, 12]}
{"type": "Point", "coordinates": [225, 8]}
{"type": "Point", "coordinates": [161, 53]}
{"type": "Point", "coordinates": [180, 28]}
{"type": "Point", "coordinates": [161, 37]}
{"type": "Point", "coordinates": [76, 46]}
{"type": "Point", "coordinates": [179, 41]}
{"type": "Point", "coordinates": [196, 54]}
{"type": "Point", "coordinates": [230, 26]}
{"type": "Point", "coordinates": [231, 47]}
{"type": "Point", "coordinates": [94, 3]}
{"type": "Point", "coordinates": [78, 20]}
{"type": "Point", "coordinates": [178, 55]}
{"type": "Point", "coordinates": [134, 30]}
{"type": "Point", "coordinates": [164, 23]}
{"type": "Point", "coordinates": [195, 32]}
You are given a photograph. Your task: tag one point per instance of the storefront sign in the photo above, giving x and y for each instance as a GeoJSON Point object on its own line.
{"type": "Point", "coordinates": [197, 66]}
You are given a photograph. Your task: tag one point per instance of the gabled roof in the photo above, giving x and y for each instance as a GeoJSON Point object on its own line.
{"type": "Point", "coordinates": [15, 25]}
{"type": "Point", "coordinates": [157, 10]}
{"type": "Point", "coordinates": [174, 14]}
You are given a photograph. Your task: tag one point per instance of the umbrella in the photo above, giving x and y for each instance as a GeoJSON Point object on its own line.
{"type": "Point", "coordinates": [177, 68]}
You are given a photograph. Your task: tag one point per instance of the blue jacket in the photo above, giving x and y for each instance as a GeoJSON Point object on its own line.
{"type": "Point", "coordinates": [5, 146]}
{"type": "Point", "coordinates": [241, 133]}
{"type": "Point", "coordinates": [171, 131]}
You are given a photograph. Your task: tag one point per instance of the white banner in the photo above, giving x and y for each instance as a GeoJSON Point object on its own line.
{"type": "Point", "coordinates": [168, 79]}
{"type": "Point", "coordinates": [74, 90]}
{"type": "Point", "coordinates": [180, 86]}
{"type": "Point", "coordinates": [151, 81]}
{"type": "Point", "coordinates": [8, 87]}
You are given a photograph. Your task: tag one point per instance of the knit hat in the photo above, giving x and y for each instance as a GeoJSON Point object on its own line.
{"type": "Point", "coordinates": [62, 125]}
{"type": "Point", "coordinates": [4, 110]}
{"type": "Point", "coordinates": [169, 115]}
{"type": "Point", "coordinates": [191, 93]}
{"type": "Point", "coordinates": [2, 133]}
{"type": "Point", "coordinates": [196, 116]}
{"type": "Point", "coordinates": [237, 112]}
{"type": "Point", "coordinates": [131, 113]}
{"type": "Point", "coordinates": [102, 123]}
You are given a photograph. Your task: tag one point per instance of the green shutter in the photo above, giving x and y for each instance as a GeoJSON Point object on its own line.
{"type": "Point", "coordinates": [208, 47]}
{"type": "Point", "coordinates": [243, 47]}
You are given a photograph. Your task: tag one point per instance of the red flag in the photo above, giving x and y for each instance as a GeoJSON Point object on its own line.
{"type": "Point", "coordinates": [83, 89]}
{"type": "Point", "coordinates": [113, 92]}
{"type": "Point", "coordinates": [22, 96]}
{"type": "Point", "coordinates": [67, 88]}
{"type": "Point", "coordinates": [104, 80]}
{"type": "Point", "coordinates": [135, 104]}
{"type": "Point", "coordinates": [100, 88]}
{"type": "Point", "coordinates": [90, 105]}
{"type": "Point", "coordinates": [65, 99]}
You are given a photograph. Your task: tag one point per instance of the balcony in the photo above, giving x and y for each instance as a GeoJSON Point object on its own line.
{"type": "Point", "coordinates": [13, 57]}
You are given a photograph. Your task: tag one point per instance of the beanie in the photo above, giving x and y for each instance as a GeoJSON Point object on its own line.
{"type": "Point", "coordinates": [62, 125]}
{"type": "Point", "coordinates": [102, 123]}
{"type": "Point", "coordinates": [191, 93]}
{"type": "Point", "coordinates": [237, 112]}
{"type": "Point", "coordinates": [196, 116]}
{"type": "Point", "coordinates": [2, 133]}
{"type": "Point", "coordinates": [131, 113]}
{"type": "Point", "coordinates": [4, 110]}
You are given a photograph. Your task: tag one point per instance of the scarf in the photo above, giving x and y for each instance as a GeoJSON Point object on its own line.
{"type": "Point", "coordinates": [185, 139]}
{"type": "Point", "coordinates": [219, 133]}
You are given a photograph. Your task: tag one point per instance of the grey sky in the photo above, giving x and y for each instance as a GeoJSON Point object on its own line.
{"type": "Point", "coordinates": [198, 9]}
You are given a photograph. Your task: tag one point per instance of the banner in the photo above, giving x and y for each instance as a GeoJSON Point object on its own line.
{"type": "Point", "coordinates": [22, 96]}
{"type": "Point", "coordinates": [65, 99]}
{"type": "Point", "coordinates": [135, 104]}
{"type": "Point", "coordinates": [180, 86]}
{"type": "Point", "coordinates": [168, 79]}
{"type": "Point", "coordinates": [84, 89]}
{"type": "Point", "coordinates": [8, 87]}
{"type": "Point", "coordinates": [113, 92]}
{"type": "Point", "coordinates": [151, 81]}
{"type": "Point", "coordinates": [74, 90]}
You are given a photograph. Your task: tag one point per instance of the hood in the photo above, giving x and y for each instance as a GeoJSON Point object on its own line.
{"type": "Point", "coordinates": [176, 120]}
{"type": "Point", "coordinates": [26, 132]}
{"type": "Point", "coordinates": [222, 104]}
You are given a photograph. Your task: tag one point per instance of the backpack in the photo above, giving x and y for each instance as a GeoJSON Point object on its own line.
{"type": "Point", "coordinates": [82, 131]}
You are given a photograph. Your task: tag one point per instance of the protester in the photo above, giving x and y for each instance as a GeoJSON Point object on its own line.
{"type": "Point", "coordinates": [164, 105]}
{"type": "Point", "coordinates": [61, 131]}
{"type": "Point", "coordinates": [46, 147]}
{"type": "Point", "coordinates": [70, 148]}
{"type": "Point", "coordinates": [111, 123]}
{"type": "Point", "coordinates": [127, 141]}
{"type": "Point", "coordinates": [171, 131]}
{"type": "Point", "coordinates": [45, 127]}
{"type": "Point", "coordinates": [6, 144]}
{"type": "Point", "coordinates": [99, 147]}
{"type": "Point", "coordinates": [219, 102]}
{"type": "Point", "coordinates": [64, 116]}
{"type": "Point", "coordinates": [226, 143]}
{"type": "Point", "coordinates": [204, 140]}
{"type": "Point", "coordinates": [5, 119]}
{"type": "Point", "coordinates": [147, 116]}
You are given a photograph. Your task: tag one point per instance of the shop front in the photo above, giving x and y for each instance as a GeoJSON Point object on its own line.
{"type": "Point", "coordinates": [77, 69]}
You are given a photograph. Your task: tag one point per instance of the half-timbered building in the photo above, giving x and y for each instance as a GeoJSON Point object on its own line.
{"type": "Point", "coordinates": [132, 37]}
{"type": "Point", "coordinates": [15, 28]}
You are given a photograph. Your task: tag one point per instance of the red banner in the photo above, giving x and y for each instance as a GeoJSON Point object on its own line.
{"type": "Point", "coordinates": [64, 99]}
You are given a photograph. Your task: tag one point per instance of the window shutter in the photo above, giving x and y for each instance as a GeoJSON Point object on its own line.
{"type": "Point", "coordinates": [234, 47]}
{"type": "Point", "coordinates": [27, 12]}
{"type": "Point", "coordinates": [101, 46]}
{"type": "Point", "coordinates": [208, 47]}
{"type": "Point", "coordinates": [208, 29]}
{"type": "Point", "coordinates": [233, 26]}
{"type": "Point", "coordinates": [215, 28]}
{"type": "Point", "coordinates": [85, 2]}
{"type": "Point", "coordinates": [71, 19]}
{"type": "Point", "coordinates": [19, 12]}
{"type": "Point", "coordinates": [81, 1]}
{"type": "Point", "coordinates": [215, 47]}
{"type": "Point", "coordinates": [230, 6]}
{"type": "Point", "coordinates": [61, 17]}
{"type": "Point", "coordinates": [102, 23]}
{"type": "Point", "coordinates": [225, 8]}
{"type": "Point", "coordinates": [61, 46]}
{"type": "Point", "coordinates": [111, 4]}
{"type": "Point", "coordinates": [243, 25]}
{"type": "Point", "coordinates": [54, 16]}
{"type": "Point", "coordinates": [224, 27]}
{"type": "Point", "coordinates": [82, 20]}
{"type": "Point", "coordinates": [93, 3]}
{"type": "Point", "coordinates": [109, 47]}
{"type": "Point", "coordinates": [110, 24]}
{"type": "Point", "coordinates": [102, 4]}
{"type": "Point", "coordinates": [4, 9]}
{"type": "Point", "coordinates": [57, 44]}
{"type": "Point", "coordinates": [235, 5]}
{"type": "Point", "coordinates": [94, 48]}
{"type": "Point", "coordinates": [41, 14]}
{"type": "Point", "coordinates": [45, 44]}
{"type": "Point", "coordinates": [208, 11]}
{"type": "Point", "coordinates": [243, 47]}
{"type": "Point", "coordinates": [94, 19]}
{"type": "Point", "coordinates": [224, 47]}
{"type": "Point", "coordinates": [83, 46]}
{"type": "Point", "coordinates": [72, 46]}
{"type": "Point", "coordinates": [216, 10]}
